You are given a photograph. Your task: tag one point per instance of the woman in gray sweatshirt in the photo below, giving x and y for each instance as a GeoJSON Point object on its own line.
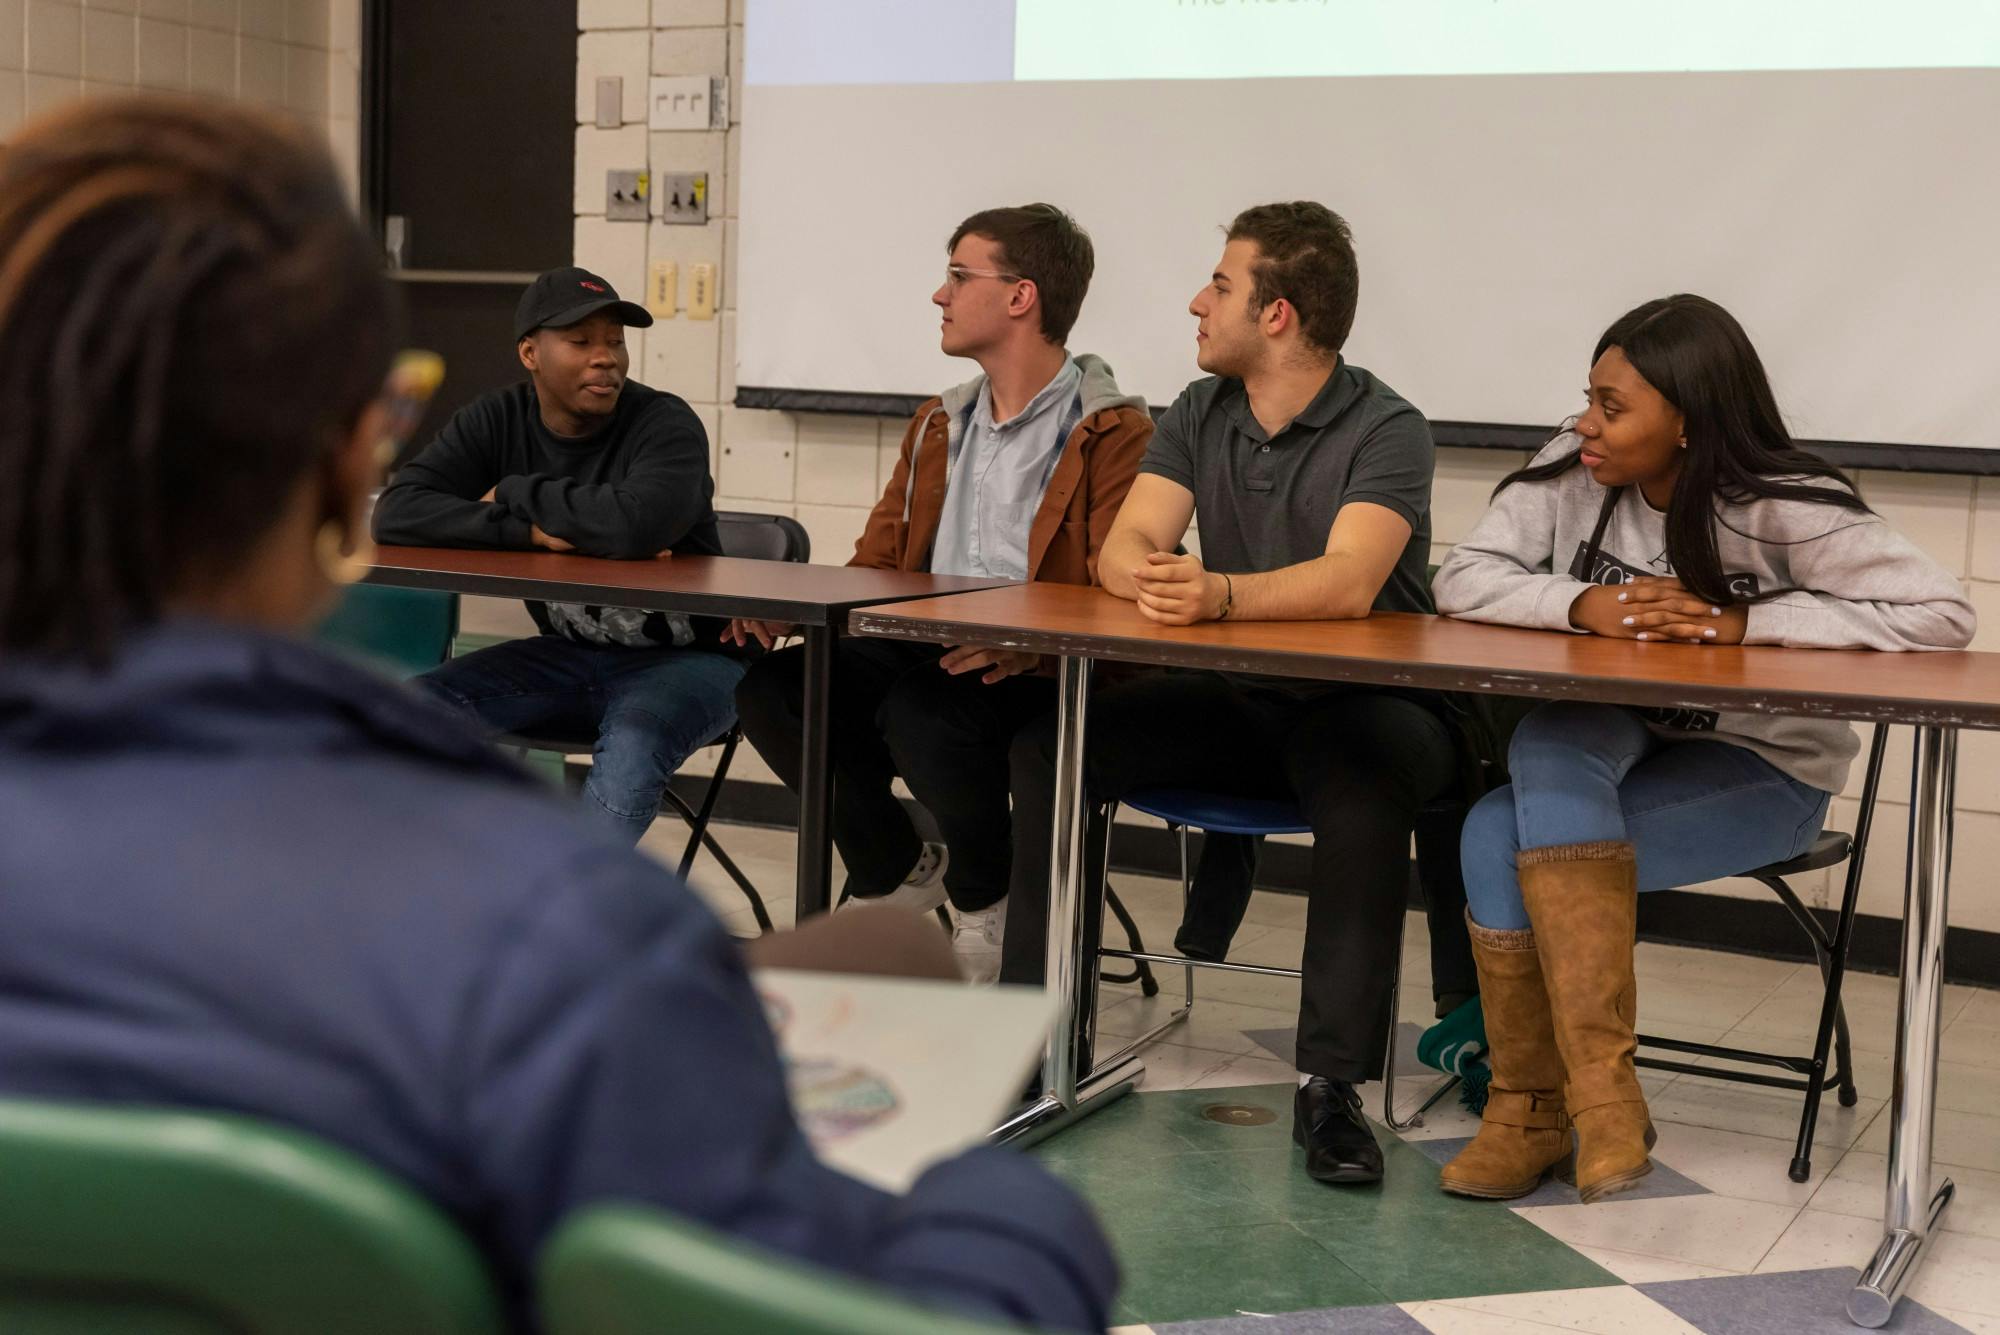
{"type": "Point", "coordinates": [1675, 509]}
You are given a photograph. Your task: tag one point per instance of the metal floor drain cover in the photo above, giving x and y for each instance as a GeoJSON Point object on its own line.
{"type": "Point", "coordinates": [1239, 1114]}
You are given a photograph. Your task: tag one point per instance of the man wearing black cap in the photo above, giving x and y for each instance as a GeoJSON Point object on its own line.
{"type": "Point", "coordinates": [578, 458]}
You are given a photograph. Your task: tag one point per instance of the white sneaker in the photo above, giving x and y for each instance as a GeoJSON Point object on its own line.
{"type": "Point", "coordinates": [921, 891]}
{"type": "Point", "coordinates": [975, 942]}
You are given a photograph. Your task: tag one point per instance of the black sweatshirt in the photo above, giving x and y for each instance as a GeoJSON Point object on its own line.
{"type": "Point", "coordinates": [635, 487]}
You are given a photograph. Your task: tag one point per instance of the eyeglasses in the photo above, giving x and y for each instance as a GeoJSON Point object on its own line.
{"type": "Point", "coordinates": [957, 274]}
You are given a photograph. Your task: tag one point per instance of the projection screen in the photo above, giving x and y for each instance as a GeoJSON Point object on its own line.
{"type": "Point", "coordinates": [1517, 174]}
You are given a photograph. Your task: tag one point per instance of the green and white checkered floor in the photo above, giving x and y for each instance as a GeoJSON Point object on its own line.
{"type": "Point", "coordinates": [1220, 1231]}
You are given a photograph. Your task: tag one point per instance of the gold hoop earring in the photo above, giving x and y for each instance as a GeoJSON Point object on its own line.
{"type": "Point", "coordinates": [340, 561]}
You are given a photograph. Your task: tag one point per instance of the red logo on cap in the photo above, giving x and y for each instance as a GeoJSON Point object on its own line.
{"type": "Point", "coordinates": [594, 287]}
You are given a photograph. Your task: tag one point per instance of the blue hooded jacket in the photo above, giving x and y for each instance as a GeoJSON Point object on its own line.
{"type": "Point", "coordinates": [239, 874]}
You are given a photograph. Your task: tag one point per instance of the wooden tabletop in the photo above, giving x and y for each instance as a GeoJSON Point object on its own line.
{"type": "Point", "coordinates": [727, 586]}
{"type": "Point", "coordinates": [1959, 689]}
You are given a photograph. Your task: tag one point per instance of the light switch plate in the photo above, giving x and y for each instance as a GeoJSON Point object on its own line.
{"type": "Point", "coordinates": [683, 196]}
{"type": "Point", "coordinates": [687, 102]}
{"type": "Point", "coordinates": [610, 102]}
{"type": "Point", "coordinates": [625, 196]}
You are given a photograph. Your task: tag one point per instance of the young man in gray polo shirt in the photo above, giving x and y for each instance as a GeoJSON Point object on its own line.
{"type": "Point", "coordinates": [1312, 482]}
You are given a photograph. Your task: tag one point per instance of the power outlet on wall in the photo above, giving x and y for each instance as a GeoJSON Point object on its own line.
{"type": "Point", "coordinates": [625, 196]}
{"type": "Point", "coordinates": [683, 197]}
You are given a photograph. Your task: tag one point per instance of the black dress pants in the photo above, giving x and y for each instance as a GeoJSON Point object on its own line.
{"type": "Point", "coordinates": [897, 713]}
{"type": "Point", "coordinates": [1360, 762]}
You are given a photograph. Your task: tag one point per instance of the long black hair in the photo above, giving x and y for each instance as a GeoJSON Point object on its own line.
{"type": "Point", "coordinates": [1698, 357]}
{"type": "Point", "coordinates": [193, 319]}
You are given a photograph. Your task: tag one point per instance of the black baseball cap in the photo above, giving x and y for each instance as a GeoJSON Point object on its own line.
{"type": "Point", "coordinates": [561, 297]}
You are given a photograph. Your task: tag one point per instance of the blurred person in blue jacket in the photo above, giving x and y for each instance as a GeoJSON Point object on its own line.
{"type": "Point", "coordinates": [238, 874]}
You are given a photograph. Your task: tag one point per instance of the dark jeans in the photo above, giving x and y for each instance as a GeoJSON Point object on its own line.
{"type": "Point", "coordinates": [1360, 763]}
{"type": "Point", "coordinates": [896, 712]}
{"type": "Point", "coordinates": [650, 709]}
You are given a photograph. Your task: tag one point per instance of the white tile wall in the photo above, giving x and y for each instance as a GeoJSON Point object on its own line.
{"type": "Point", "coordinates": [692, 51]}
{"type": "Point", "coordinates": [599, 151]}
{"type": "Point", "coordinates": [163, 54]}
{"type": "Point", "coordinates": [13, 29]}
{"type": "Point", "coordinates": [601, 55]}
{"type": "Point", "coordinates": [54, 38]}
{"type": "Point", "coordinates": [110, 46]}
{"type": "Point", "coordinates": [297, 55]}
{"type": "Point", "coordinates": [816, 466]}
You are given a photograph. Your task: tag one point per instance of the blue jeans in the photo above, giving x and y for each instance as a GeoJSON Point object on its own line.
{"type": "Point", "coordinates": [650, 709]}
{"type": "Point", "coordinates": [1693, 810]}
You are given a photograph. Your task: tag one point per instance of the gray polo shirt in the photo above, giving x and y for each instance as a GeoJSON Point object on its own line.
{"type": "Point", "coordinates": [1265, 502]}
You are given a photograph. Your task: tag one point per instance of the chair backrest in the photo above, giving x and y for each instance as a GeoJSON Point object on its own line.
{"type": "Point", "coordinates": [116, 1220]}
{"type": "Point", "coordinates": [402, 631]}
{"type": "Point", "coordinates": [618, 1270]}
{"type": "Point", "coordinates": [761, 537]}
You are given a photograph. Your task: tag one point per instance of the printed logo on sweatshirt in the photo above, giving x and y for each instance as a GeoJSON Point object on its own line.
{"type": "Point", "coordinates": [1608, 569]}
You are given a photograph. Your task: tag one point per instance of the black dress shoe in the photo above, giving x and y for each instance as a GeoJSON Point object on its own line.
{"type": "Point", "coordinates": [1339, 1145]}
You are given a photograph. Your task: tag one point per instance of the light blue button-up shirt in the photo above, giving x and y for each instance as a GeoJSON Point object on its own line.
{"type": "Point", "coordinates": [998, 474]}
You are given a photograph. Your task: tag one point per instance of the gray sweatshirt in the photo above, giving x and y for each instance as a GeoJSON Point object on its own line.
{"type": "Point", "coordinates": [1859, 585]}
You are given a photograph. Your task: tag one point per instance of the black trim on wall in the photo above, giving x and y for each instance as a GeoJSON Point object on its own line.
{"type": "Point", "coordinates": [374, 127]}
{"type": "Point", "coordinates": [1672, 917]}
{"type": "Point", "coordinates": [1947, 459]}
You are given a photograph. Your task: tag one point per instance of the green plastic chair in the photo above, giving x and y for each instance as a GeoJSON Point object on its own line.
{"type": "Point", "coordinates": [623, 1270]}
{"type": "Point", "coordinates": [115, 1221]}
{"type": "Point", "coordinates": [399, 631]}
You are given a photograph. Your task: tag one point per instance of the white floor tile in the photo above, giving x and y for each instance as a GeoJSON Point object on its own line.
{"type": "Point", "coordinates": [1972, 1042]}
{"type": "Point", "coordinates": [1959, 1270]}
{"type": "Point", "coordinates": [1694, 1101]}
{"type": "Point", "coordinates": [1982, 1007]}
{"type": "Point", "coordinates": [1977, 1323]}
{"type": "Point", "coordinates": [1856, 1188]}
{"type": "Point", "coordinates": [1597, 1311]}
{"type": "Point", "coordinates": [1220, 1026]}
{"type": "Point", "coordinates": [1246, 1071]}
{"type": "Point", "coordinates": [1730, 1163]}
{"type": "Point", "coordinates": [1960, 1139]}
{"type": "Point", "coordinates": [1443, 1320]}
{"type": "Point", "coordinates": [1634, 1268]}
{"type": "Point", "coordinates": [1171, 1067]}
{"type": "Point", "coordinates": [1705, 1230]}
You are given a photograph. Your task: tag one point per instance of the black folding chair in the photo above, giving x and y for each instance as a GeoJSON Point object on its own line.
{"type": "Point", "coordinates": [760, 537]}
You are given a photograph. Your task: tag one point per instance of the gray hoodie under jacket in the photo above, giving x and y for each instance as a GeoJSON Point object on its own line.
{"type": "Point", "coordinates": [1853, 581]}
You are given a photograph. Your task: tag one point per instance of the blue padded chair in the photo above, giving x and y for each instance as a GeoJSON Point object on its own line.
{"type": "Point", "coordinates": [1186, 809]}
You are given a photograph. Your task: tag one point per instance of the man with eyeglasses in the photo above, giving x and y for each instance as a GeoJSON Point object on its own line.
{"type": "Point", "coordinates": [1016, 474]}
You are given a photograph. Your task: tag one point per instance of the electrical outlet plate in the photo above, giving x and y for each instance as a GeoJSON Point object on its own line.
{"type": "Point", "coordinates": [625, 196]}
{"type": "Point", "coordinates": [683, 196]}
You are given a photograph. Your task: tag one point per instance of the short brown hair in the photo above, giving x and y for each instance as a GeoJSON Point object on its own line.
{"type": "Point", "coordinates": [1307, 258]}
{"type": "Point", "coordinates": [1044, 245]}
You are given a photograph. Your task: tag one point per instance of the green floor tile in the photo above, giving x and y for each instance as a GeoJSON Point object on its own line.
{"type": "Point", "coordinates": [1169, 1183]}
{"type": "Point", "coordinates": [1202, 1270]}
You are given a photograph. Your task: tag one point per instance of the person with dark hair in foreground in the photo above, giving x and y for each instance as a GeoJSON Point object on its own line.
{"type": "Point", "coordinates": [241, 875]}
{"type": "Point", "coordinates": [1676, 510]}
{"type": "Point", "coordinates": [1312, 482]}
{"type": "Point", "coordinates": [1017, 473]}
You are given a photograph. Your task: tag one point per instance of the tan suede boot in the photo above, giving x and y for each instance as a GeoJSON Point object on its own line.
{"type": "Point", "coordinates": [1584, 902]}
{"type": "Point", "coordinates": [1525, 1134]}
